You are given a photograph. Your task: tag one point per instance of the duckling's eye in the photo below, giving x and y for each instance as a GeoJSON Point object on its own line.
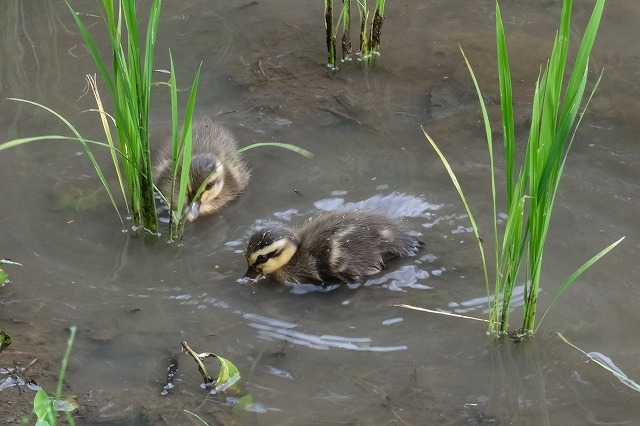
{"type": "Point", "coordinates": [264, 257]}
{"type": "Point", "coordinates": [209, 185]}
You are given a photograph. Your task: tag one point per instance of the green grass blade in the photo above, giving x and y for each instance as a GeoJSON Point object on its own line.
{"type": "Point", "coordinates": [506, 102]}
{"type": "Point", "coordinates": [487, 127]}
{"type": "Point", "coordinates": [175, 145]}
{"type": "Point", "coordinates": [63, 369]}
{"type": "Point", "coordinates": [454, 179]}
{"type": "Point", "coordinates": [21, 141]}
{"type": "Point", "coordinates": [186, 140]}
{"type": "Point", "coordinates": [287, 146]}
{"type": "Point", "coordinates": [582, 58]}
{"type": "Point", "coordinates": [93, 50]}
{"type": "Point", "coordinates": [576, 274]}
{"type": "Point", "coordinates": [197, 417]}
{"type": "Point", "coordinates": [107, 131]}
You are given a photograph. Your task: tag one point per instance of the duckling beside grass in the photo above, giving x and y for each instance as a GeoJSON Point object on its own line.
{"type": "Point", "coordinates": [332, 247]}
{"type": "Point", "coordinates": [213, 160]}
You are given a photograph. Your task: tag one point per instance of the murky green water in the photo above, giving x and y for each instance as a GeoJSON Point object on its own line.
{"type": "Point", "coordinates": [346, 356]}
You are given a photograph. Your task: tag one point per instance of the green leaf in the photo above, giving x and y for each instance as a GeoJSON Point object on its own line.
{"type": "Point", "coordinates": [454, 179]}
{"type": "Point", "coordinates": [43, 408]}
{"type": "Point", "coordinates": [228, 376]}
{"type": "Point", "coordinates": [576, 274]}
{"type": "Point", "coordinates": [4, 278]}
{"type": "Point", "coordinates": [196, 416]}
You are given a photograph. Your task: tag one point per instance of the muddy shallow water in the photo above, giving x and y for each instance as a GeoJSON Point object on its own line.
{"type": "Point", "coordinates": [347, 355]}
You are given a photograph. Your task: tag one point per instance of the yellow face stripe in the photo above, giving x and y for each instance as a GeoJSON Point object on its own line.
{"type": "Point", "coordinates": [274, 246]}
{"type": "Point", "coordinates": [277, 262]}
{"type": "Point", "coordinates": [286, 251]}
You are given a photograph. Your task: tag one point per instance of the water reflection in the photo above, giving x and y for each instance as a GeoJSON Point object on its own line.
{"type": "Point", "coordinates": [270, 329]}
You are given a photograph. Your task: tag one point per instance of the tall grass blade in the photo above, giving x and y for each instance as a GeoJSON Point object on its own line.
{"type": "Point", "coordinates": [487, 128]}
{"type": "Point", "coordinates": [93, 50]}
{"type": "Point", "coordinates": [187, 142]}
{"type": "Point", "coordinates": [286, 146]}
{"type": "Point", "coordinates": [107, 131]}
{"type": "Point", "coordinates": [576, 274]}
{"type": "Point", "coordinates": [506, 102]}
{"type": "Point", "coordinates": [454, 179]}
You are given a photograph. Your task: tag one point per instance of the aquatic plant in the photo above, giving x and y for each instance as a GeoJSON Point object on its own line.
{"type": "Point", "coordinates": [370, 31]}
{"type": "Point", "coordinates": [180, 156]}
{"type": "Point", "coordinates": [130, 89]}
{"type": "Point", "coordinates": [45, 408]}
{"type": "Point", "coordinates": [227, 376]}
{"type": "Point", "coordinates": [531, 194]}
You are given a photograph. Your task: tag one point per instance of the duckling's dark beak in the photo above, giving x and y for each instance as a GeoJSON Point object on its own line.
{"type": "Point", "coordinates": [193, 212]}
{"type": "Point", "coordinates": [253, 275]}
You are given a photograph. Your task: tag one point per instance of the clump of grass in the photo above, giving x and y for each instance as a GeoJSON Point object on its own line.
{"type": "Point", "coordinates": [370, 31]}
{"type": "Point", "coordinates": [130, 88]}
{"type": "Point", "coordinates": [531, 193]}
{"type": "Point", "coordinates": [330, 34]}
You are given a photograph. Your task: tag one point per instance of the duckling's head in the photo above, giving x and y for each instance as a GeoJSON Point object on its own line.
{"type": "Point", "coordinates": [269, 250]}
{"type": "Point", "coordinates": [206, 172]}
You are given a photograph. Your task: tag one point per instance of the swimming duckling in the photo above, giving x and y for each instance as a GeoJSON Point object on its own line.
{"type": "Point", "coordinates": [337, 246]}
{"type": "Point", "coordinates": [213, 159]}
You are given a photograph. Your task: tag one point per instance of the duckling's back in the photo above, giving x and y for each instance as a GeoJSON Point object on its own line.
{"type": "Point", "coordinates": [210, 137]}
{"type": "Point", "coordinates": [348, 246]}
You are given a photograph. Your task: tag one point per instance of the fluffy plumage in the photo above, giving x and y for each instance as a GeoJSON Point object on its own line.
{"type": "Point", "coordinates": [337, 246]}
{"type": "Point", "coordinates": [214, 160]}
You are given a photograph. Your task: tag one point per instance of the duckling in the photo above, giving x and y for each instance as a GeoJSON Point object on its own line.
{"type": "Point", "coordinates": [213, 159]}
{"type": "Point", "coordinates": [336, 246]}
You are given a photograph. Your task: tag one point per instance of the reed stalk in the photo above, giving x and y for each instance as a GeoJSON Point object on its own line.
{"type": "Point", "coordinates": [346, 29]}
{"type": "Point", "coordinates": [376, 27]}
{"type": "Point", "coordinates": [330, 34]}
{"type": "Point", "coordinates": [364, 38]}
